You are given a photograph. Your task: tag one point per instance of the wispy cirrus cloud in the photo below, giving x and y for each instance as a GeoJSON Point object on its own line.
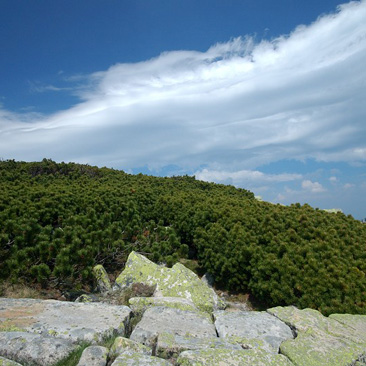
{"type": "Point", "coordinates": [221, 113]}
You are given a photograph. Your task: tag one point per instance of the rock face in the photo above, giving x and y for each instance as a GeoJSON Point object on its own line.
{"type": "Point", "coordinates": [179, 325]}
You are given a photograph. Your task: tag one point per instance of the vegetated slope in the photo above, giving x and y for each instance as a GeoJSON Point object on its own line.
{"type": "Point", "coordinates": [58, 220]}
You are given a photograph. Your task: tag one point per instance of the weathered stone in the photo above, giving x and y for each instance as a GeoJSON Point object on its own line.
{"type": "Point", "coordinates": [94, 356]}
{"type": "Point", "coordinates": [253, 325]}
{"type": "Point", "coordinates": [6, 362]}
{"type": "Point", "coordinates": [216, 357]}
{"type": "Point", "coordinates": [177, 281]}
{"type": "Point", "coordinates": [87, 298]}
{"type": "Point", "coordinates": [124, 345]}
{"type": "Point", "coordinates": [101, 276]}
{"type": "Point", "coordinates": [140, 360]}
{"type": "Point", "coordinates": [139, 304]}
{"type": "Point", "coordinates": [34, 349]}
{"type": "Point", "coordinates": [355, 324]}
{"type": "Point", "coordinates": [158, 319]}
{"type": "Point", "coordinates": [320, 340]}
{"type": "Point", "coordinates": [170, 345]}
{"type": "Point", "coordinates": [90, 322]}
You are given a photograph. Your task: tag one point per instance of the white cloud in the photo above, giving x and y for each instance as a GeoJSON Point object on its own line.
{"type": "Point", "coordinates": [231, 109]}
{"type": "Point", "coordinates": [244, 177]}
{"type": "Point", "coordinates": [313, 187]}
{"type": "Point", "coordinates": [333, 179]}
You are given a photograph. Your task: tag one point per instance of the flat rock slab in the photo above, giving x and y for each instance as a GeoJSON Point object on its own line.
{"type": "Point", "coordinates": [94, 356]}
{"type": "Point", "coordinates": [218, 357]}
{"type": "Point", "coordinates": [34, 349]}
{"type": "Point", "coordinates": [321, 341]}
{"type": "Point", "coordinates": [159, 319]}
{"type": "Point", "coordinates": [138, 359]}
{"type": "Point", "coordinates": [177, 281]}
{"type": "Point", "coordinates": [90, 322]}
{"type": "Point", "coordinates": [170, 345]}
{"type": "Point", "coordinates": [253, 325]}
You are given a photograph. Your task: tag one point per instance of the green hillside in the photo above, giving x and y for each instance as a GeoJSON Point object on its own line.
{"type": "Point", "coordinates": [58, 220]}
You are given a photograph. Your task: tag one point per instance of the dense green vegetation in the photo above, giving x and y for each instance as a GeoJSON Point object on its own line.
{"type": "Point", "coordinates": [58, 220]}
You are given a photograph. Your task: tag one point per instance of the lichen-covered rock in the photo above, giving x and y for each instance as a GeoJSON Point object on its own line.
{"type": "Point", "coordinates": [170, 345]}
{"type": "Point", "coordinates": [94, 356]}
{"type": "Point", "coordinates": [253, 325]}
{"type": "Point", "coordinates": [90, 322]}
{"type": "Point", "coordinates": [87, 298]}
{"type": "Point", "coordinates": [177, 281]}
{"type": "Point", "coordinates": [159, 319]}
{"type": "Point", "coordinates": [34, 349]}
{"type": "Point", "coordinates": [6, 362]}
{"type": "Point", "coordinates": [356, 324]}
{"type": "Point", "coordinates": [139, 304]}
{"type": "Point", "coordinates": [124, 345]}
{"type": "Point", "coordinates": [137, 359]}
{"type": "Point", "coordinates": [216, 357]}
{"type": "Point", "coordinates": [322, 341]}
{"type": "Point", "coordinates": [101, 276]}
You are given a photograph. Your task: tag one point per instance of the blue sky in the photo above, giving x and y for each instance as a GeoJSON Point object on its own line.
{"type": "Point", "coordinates": [268, 96]}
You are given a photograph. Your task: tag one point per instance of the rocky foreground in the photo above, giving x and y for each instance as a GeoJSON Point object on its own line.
{"type": "Point", "coordinates": [182, 323]}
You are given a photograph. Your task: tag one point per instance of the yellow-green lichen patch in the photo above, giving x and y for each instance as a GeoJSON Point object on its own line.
{"type": "Point", "coordinates": [52, 333]}
{"type": "Point", "coordinates": [9, 326]}
{"type": "Point", "coordinates": [85, 298]}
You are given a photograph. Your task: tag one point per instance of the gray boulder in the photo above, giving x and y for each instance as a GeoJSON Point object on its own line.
{"type": "Point", "coordinates": [157, 320]}
{"type": "Point", "coordinates": [94, 356]}
{"type": "Point", "coordinates": [177, 281]}
{"type": "Point", "coordinates": [34, 349]}
{"type": "Point", "coordinates": [253, 325]}
{"type": "Point", "coordinates": [102, 279]}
